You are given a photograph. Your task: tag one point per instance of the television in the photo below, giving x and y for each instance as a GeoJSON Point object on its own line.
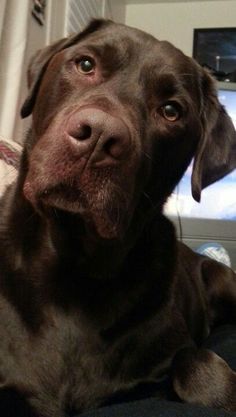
{"type": "Point", "coordinates": [214, 218]}
{"type": "Point", "coordinates": [215, 49]}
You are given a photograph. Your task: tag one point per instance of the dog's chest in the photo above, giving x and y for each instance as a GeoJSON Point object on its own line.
{"type": "Point", "coordinates": [62, 367]}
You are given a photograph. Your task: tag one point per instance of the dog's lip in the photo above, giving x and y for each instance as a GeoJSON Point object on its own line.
{"type": "Point", "coordinates": [53, 195]}
{"type": "Point", "coordinates": [28, 191]}
{"type": "Point", "coordinates": [62, 197]}
{"type": "Point", "coordinates": [63, 191]}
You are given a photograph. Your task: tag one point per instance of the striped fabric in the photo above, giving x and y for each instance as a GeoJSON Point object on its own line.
{"type": "Point", "coordinates": [9, 163]}
{"type": "Point", "coordinates": [80, 12]}
{"type": "Point", "coordinates": [9, 154]}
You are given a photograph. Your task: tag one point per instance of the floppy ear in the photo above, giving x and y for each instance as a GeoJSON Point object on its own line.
{"type": "Point", "coordinates": [41, 59]}
{"type": "Point", "coordinates": [37, 67]}
{"type": "Point", "coordinates": [216, 153]}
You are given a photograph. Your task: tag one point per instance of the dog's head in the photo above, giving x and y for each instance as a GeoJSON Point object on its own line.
{"type": "Point", "coordinates": [117, 118]}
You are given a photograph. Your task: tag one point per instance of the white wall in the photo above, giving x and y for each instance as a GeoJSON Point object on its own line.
{"type": "Point", "coordinates": [115, 10]}
{"type": "Point", "coordinates": [175, 21]}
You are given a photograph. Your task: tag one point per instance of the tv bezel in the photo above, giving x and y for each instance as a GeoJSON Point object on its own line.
{"type": "Point", "coordinates": [223, 85]}
{"type": "Point", "coordinates": [206, 229]}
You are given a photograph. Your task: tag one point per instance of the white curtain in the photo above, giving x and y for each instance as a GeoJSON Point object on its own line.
{"type": "Point", "coordinates": [2, 12]}
{"type": "Point", "coordinates": [14, 18]}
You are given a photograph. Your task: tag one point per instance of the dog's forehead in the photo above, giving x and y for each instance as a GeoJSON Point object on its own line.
{"type": "Point", "coordinates": [118, 32]}
{"type": "Point", "coordinates": [118, 38]}
{"type": "Point", "coordinates": [134, 45]}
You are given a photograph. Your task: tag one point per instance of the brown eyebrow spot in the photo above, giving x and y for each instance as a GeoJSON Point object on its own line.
{"type": "Point", "coordinates": [167, 85]}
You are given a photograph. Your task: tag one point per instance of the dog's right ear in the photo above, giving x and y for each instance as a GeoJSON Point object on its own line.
{"type": "Point", "coordinates": [41, 59]}
{"type": "Point", "coordinates": [37, 67]}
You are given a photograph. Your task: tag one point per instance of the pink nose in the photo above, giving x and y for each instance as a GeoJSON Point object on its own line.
{"type": "Point", "coordinates": [105, 136]}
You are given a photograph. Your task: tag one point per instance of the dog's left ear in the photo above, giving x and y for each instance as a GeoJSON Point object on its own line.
{"type": "Point", "coordinates": [216, 153]}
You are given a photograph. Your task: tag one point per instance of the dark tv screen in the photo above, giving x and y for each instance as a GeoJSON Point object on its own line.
{"type": "Point", "coordinates": [215, 49]}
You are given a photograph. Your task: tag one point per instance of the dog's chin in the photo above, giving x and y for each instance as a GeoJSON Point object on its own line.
{"type": "Point", "coordinates": [101, 222]}
{"type": "Point", "coordinates": [103, 215]}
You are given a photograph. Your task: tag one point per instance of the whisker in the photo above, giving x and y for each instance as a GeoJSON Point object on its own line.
{"type": "Point", "coordinates": [147, 155]}
{"type": "Point", "coordinates": [149, 198]}
{"type": "Point", "coordinates": [55, 213]}
{"type": "Point", "coordinates": [29, 218]}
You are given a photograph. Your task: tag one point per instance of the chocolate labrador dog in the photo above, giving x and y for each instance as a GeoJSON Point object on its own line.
{"type": "Point", "coordinates": [97, 296]}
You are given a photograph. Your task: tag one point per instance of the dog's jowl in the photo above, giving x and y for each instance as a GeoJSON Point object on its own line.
{"type": "Point", "coordinates": [96, 295]}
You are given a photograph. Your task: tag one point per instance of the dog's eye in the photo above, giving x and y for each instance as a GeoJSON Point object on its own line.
{"type": "Point", "coordinates": [171, 111]}
{"type": "Point", "coordinates": [86, 65]}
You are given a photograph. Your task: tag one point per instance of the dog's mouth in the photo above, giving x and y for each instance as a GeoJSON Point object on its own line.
{"type": "Point", "coordinates": [57, 195]}
{"type": "Point", "coordinates": [104, 206]}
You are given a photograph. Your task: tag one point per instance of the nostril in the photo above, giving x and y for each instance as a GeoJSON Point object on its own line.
{"type": "Point", "coordinates": [103, 137]}
{"type": "Point", "coordinates": [113, 147]}
{"type": "Point", "coordinates": [81, 132]}
{"type": "Point", "coordinates": [85, 132]}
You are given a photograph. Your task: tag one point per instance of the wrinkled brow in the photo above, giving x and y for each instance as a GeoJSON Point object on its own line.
{"type": "Point", "coordinates": [161, 82]}
{"type": "Point", "coordinates": [168, 84]}
{"type": "Point", "coordinates": [110, 54]}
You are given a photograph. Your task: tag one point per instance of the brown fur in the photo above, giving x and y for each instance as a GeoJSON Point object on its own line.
{"type": "Point", "coordinates": [96, 295]}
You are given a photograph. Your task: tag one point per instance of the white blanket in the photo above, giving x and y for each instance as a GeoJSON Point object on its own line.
{"type": "Point", "coordinates": [9, 162]}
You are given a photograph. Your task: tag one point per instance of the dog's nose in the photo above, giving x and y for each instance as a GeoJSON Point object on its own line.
{"type": "Point", "coordinates": [106, 137]}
